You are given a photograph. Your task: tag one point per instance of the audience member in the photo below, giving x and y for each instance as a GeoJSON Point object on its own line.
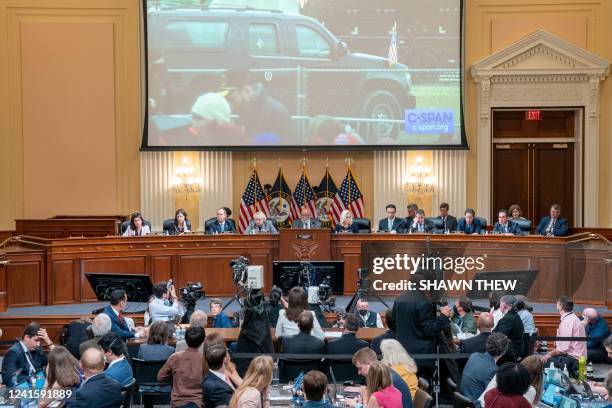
{"type": "Point", "coordinates": [230, 369]}
{"type": "Point", "coordinates": [306, 221]}
{"type": "Point", "coordinates": [156, 348]}
{"type": "Point", "coordinates": [396, 357]}
{"type": "Point", "coordinates": [481, 367]}
{"type": "Point", "coordinates": [608, 346]}
{"type": "Point", "coordinates": [181, 224]}
{"type": "Point", "coordinates": [469, 224]}
{"type": "Point", "coordinates": [597, 331]}
{"type": "Point", "coordinates": [419, 224]}
{"type": "Point", "coordinates": [391, 223]}
{"type": "Point", "coordinates": [315, 387]}
{"type": "Point", "coordinates": [286, 325]}
{"type": "Point", "coordinates": [185, 370]}
{"type": "Point", "coordinates": [165, 305]}
{"type": "Point", "coordinates": [222, 224]}
{"type": "Point", "coordinates": [567, 353]}
{"type": "Point", "coordinates": [506, 226]}
{"type": "Point", "coordinates": [273, 305]}
{"type": "Point", "coordinates": [365, 357]}
{"type": "Point", "coordinates": [524, 312]}
{"type": "Point", "coordinates": [304, 342]}
{"type": "Point", "coordinates": [137, 227]}
{"type": "Point", "coordinates": [260, 225]}
{"type": "Point", "coordinates": [494, 305]}
{"type": "Point", "coordinates": [346, 223]}
{"type": "Point", "coordinates": [100, 326]}
{"type": "Point", "coordinates": [412, 208]}
{"type": "Point", "coordinates": [389, 334]}
{"type": "Point", "coordinates": [198, 319]}
{"type": "Point", "coordinates": [347, 343]}
{"type": "Point", "coordinates": [512, 326]}
{"type": "Point", "coordinates": [115, 350]}
{"type": "Point", "coordinates": [62, 373]}
{"type": "Point", "coordinates": [26, 357]}
{"type": "Point", "coordinates": [535, 368]}
{"type": "Point", "coordinates": [217, 387]}
{"type": "Point", "coordinates": [553, 225]}
{"type": "Point", "coordinates": [512, 383]}
{"type": "Point", "coordinates": [380, 391]}
{"type": "Point", "coordinates": [97, 390]}
{"type": "Point", "coordinates": [254, 390]}
{"type": "Point", "coordinates": [464, 318]}
{"type": "Point", "coordinates": [477, 344]}
{"type": "Point", "coordinates": [448, 221]}
{"type": "Point", "coordinates": [219, 319]}
{"type": "Point", "coordinates": [119, 325]}
{"type": "Point", "coordinates": [76, 333]}
{"type": "Point", "coordinates": [515, 212]}
{"type": "Point", "coordinates": [367, 318]}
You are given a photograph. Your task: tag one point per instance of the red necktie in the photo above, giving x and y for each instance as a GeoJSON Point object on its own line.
{"type": "Point", "coordinates": [120, 316]}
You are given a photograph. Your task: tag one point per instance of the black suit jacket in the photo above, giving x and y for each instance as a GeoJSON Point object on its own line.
{"type": "Point", "coordinates": [427, 226]}
{"type": "Point", "coordinates": [215, 228]}
{"type": "Point", "coordinates": [98, 392]}
{"type": "Point", "coordinates": [512, 326]}
{"type": "Point", "coordinates": [476, 344]}
{"type": "Point", "coordinates": [216, 391]}
{"type": "Point", "coordinates": [348, 343]}
{"type": "Point", "coordinates": [375, 343]}
{"type": "Point", "coordinates": [15, 362]}
{"type": "Point", "coordinates": [451, 222]}
{"type": "Point", "coordinates": [474, 228]}
{"type": "Point", "coordinates": [303, 343]}
{"type": "Point", "coordinates": [398, 225]}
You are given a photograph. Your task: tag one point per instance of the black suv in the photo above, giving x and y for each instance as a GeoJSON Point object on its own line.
{"type": "Point", "coordinates": [298, 61]}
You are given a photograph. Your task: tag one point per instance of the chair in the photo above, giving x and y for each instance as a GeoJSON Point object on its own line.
{"type": "Point", "coordinates": [343, 371]}
{"type": "Point", "coordinates": [168, 225]}
{"type": "Point", "coordinates": [423, 384]}
{"type": "Point", "coordinates": [125, 224]}
{"type": "Point", "coordinates": [435, 222]}
{"type": "Point", "coordinates": [452, 386]}
{"type": "Point", "coordinates": [145, 374]}
{"type": "Point", "coordinates": [363, 224]}
{"type": "Point", "coordinates": [289, 370]}
{"type": "Point", "coordinates": [208, 223]}
{"type": "Point", "coordinates": [422, 399]}
{"type": "Point", "coordinates": [461, 401]}
{"type": "Point", "coordinates": [525, 225]}
{"type": "Point", "coordinates": [483, 222]}
{"type": "Point", "coordinates": [127, 392]}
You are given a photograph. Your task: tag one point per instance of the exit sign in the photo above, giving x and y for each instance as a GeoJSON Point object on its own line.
{"type": "Point", "coordinates": [533, 115]}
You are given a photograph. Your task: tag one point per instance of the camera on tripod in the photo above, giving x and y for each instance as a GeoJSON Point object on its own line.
{"type": "Point", "coordinates": [191, 293]}
{"type": "Point", "coordinates": [249, 277]}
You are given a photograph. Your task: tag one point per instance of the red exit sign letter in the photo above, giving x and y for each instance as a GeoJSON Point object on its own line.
{"type": "Point", "coordinates": [533, 115]}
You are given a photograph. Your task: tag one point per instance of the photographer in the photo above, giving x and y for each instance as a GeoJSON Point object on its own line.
{"type": "Point", "coordinates": [165, 305]}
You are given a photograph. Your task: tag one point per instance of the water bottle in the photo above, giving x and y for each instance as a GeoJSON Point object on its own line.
{"type": "Point", "coordinates": [275, 374]}
{"type": "Point", "coordinates": [582, 368]}
{"type": "Point", "coordinates": [565, 370]}
{"type": "Point", "coordinates": [589, 371]}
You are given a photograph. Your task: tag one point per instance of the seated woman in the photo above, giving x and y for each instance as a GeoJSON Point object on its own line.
{"type": "Point", "coordinates": [137, 227]}
{"type": "Point", "coordinates": [512, 383]}
{"type": "Point", "coordinates": [286, 325]}
{"type": "Point", "coordinates": [380, 391]}
{"type": "Point", "coordinates": [254, 392]}
{"type": "Point", "coordinates": [156, 348]}
{"type": "Point", "coordinates": [346, 223]}
{"type": "Point", "coordinates": [394, 355]}
{"type": "Point", "coordinates": [535, 368]}
{"type": "Point", "coordinates": [516, 213]}
{"type": "Point", "coordinates": [62, 374]}
{"type": "Point", "coordinates": [524, 311]}
{"type": "Point", "coordinates": [260, 225]}
{"type": "Point", "coordinates": [469, 224]}
{"type": "Point", "coordinates": [463, 317]}
{"type": "Point", "coordinates": [181, 223]}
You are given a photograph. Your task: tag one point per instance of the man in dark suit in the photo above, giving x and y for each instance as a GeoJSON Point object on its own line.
{"type": "Point", "coordinates": [555, 225]}
{"type": "Point", "coordinates": [469, 224]}
{"type": "Point", "coordinates": [391, 223]}
{"type": "Point", "coordinates": [306, 221]}
{"type": "Point", "coordinates": [389, 334]}
{"type": "Point", "coordinates": [216, 386]}
{"type": "Point", "coordinates": [222, 225]}
{"type": "Point", "coordinates": [420, 225]}
{"type": "Point", "coordinates": [348, 343]}
{"type": "Point", "coordinates": [481, 367]}
{"type": "Point", "coordinates": [119, 326]}
{"type": "Point", "coordinates": [25, 358]}
{"type": "Point", "coordinates": [477, 343]}
{"type": "Point", "coordinates": [97, 390]}
{"type": "Point", "coordinates": [448, 221]}
{"type": "Point", "coordinates": [505, 226]}
{"type": "Point", "coordinates": [412, 208]}
{"type": "Point", "coordinates": [512, 326]}
{"type": "Point", "coordinates": [304, 342]}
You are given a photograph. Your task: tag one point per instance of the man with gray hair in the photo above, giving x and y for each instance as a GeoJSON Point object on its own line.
{"type": "Point", "coordinates": [199, 318]}
{"type": "Point", "coordinates": [597, 331]}
{"type": "Point", "coordinates": [512, 326]}
{"type": "Point", "coordinates": [100, 326]}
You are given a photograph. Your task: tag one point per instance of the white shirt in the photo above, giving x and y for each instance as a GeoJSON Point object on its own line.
{"type": "Point", "coordinates": [288, 328]}
{"type": "Point", "coordinates": [223, 377]}
{"type": "Point", "coordinates": [158, 310]}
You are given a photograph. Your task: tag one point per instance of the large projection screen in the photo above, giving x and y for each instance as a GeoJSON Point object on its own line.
{"type": "Point", "coordinates": [310, 74]}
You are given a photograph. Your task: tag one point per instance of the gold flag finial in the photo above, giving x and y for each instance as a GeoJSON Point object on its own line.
{"type": "Point", "coordinates": [254, 163]}
{"type": "Point", "coordinates": [349, 161]}
{"type": "Point", "coordinates": [304, 162]}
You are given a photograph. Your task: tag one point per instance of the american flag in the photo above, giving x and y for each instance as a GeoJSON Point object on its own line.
{"type": "Point", "coordinates": [253, 200]}
{"type": "Point", "coordinates": [303, 195]}
{"type": "Point", "coordinates": [348, 197]}
{"type": "Point", "coordinates": [392, 58]}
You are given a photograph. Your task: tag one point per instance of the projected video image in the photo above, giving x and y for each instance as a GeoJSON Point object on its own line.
{"type": "Point", "coordinates": [248, 73]}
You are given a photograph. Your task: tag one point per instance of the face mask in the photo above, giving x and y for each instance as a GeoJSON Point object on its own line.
{"type": "Point", "coordinates": [363, 312]}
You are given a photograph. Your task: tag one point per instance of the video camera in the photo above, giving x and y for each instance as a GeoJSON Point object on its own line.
{"type": "Point", "coordinates": [191, 293]}
{"type": "Point", "coordinates": [249, 277]}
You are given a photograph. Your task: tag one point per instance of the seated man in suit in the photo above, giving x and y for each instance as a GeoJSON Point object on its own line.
{"type": "Point", "coordinates": [115, 351]}
{"type": "Point", "coordinates": [97, 390]}
{"type": "Point", "coordinates": [412, 208]}
{"type": "Point", "coordinates": [222, 225]}
{"type": "Point", "coordinates": [419, 225]}
{"type": "Point", "coordinates": [260, 225]}
{"type": "Point", "coordinates": [220, 319]}
{"type": "Point", "coordinates": [306, 221]}
{"type": "Point", "coordinates": [512, 326]}
{"type": "Point", "coordinates": [304, 342]}
{"type": "Point", "coordinates": [119, 326]}
{"type": "Point", "coordinates": [26, 357]}
{"type": "Point", "coordinates": [198, 319]}
{"type": "Point", "coordinates": [481, 367]}
{"type": "Point", "coordinates": [217, 388]}
{"type": "Point", "coordinates": [448, 221]}
{"type": "Point", "coordinates": [505, 226]}
{"type": "Point", "coordinates": [469, 224]}
{"type": "Point", "coordinates": [555, 225]}
{"type": "Point", "coordinates": [477, 343]}
{"type": "Point", "coordinates": [389, 334]}
{"type": "Point", "coordinates": [367, 318]}
{"type": "Point", "coordinates": [348, 343]}
{"type": "Point", "coordinates": [391, 223]}
{"type": "Point", "coordinates": [100, 326]}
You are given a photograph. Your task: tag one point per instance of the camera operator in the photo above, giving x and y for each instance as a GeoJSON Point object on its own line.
{"type": "Point", "coordinates": [165, 305]}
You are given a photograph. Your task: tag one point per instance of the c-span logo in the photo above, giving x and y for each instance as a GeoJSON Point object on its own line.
{"type": "Point", "coordinates": [429, 121]}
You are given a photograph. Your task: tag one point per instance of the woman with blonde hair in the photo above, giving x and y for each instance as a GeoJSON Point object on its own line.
{"type": "Point", "coordinates": [380, 392]}
{"type": "Point", "coordinates": [254, 390]}
{"type": "Point", "coordinates": [395, 356]}
{"type": "Point", "coordinates": [346, 223]}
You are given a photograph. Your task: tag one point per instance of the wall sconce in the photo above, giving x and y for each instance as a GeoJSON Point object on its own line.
{"type": "Point", "coordinates": [184, 180]}
{"type": "Point", "coordinates": [420, 181]}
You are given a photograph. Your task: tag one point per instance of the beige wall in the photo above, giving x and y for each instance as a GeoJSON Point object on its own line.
{"type": "Point", "coordinates": [70, 102]}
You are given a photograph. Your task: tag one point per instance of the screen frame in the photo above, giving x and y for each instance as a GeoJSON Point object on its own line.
{"type": "Point", "coordinates": [144, 146]}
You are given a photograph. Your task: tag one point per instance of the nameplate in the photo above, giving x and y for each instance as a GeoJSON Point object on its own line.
{"type": "Point", "coordinates": [305, 236]}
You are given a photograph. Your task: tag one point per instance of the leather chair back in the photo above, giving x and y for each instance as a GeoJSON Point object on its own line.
{"type": "Point", "coordinates": [525, 225]}
{"type": "Point", "coordinates": [422, 399]}
{"type": "Point", "coordinates": [435, 222]}
{"type": "Point", "coordinates": [483, 221]}
{"type": "Point", "coordinates": [363, 224]}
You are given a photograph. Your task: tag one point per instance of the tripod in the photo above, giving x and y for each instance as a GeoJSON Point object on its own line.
{"type": "Point", "coordinates": [236, 298]}
{"type": "Point", "coordinates": [363, 293]}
